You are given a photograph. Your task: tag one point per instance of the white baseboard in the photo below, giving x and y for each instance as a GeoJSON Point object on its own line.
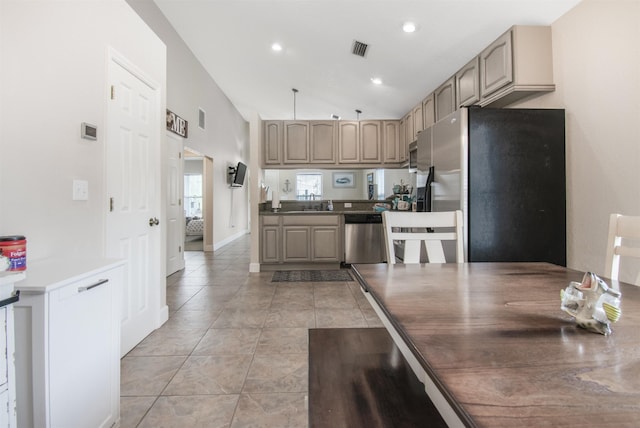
{"type": "Point", "coordinates": [228, 240]}
{"type": "Point", "coordinates": [163, 315]}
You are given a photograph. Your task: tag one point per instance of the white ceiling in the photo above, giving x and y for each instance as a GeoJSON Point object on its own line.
{"type": "Point", "coordinates": [233, 38]}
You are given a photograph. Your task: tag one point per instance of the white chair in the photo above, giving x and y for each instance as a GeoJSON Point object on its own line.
{"type": "Point", "coordinates": [622, 231]}
{"type": "Point", "coordinates": [411, 227]}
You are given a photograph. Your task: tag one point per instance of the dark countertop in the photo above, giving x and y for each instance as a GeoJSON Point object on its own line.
{"type": "Point", "coordinates": [268, 213]}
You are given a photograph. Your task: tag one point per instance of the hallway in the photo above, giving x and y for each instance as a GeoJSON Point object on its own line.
{"type": "Point", "coordinates": [234, 351]}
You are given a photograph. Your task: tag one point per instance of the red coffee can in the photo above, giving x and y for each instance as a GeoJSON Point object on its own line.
{"type": "Point", "coordinates": [13, 253]}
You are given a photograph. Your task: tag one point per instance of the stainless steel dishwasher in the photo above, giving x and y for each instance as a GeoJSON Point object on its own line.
{"type": "Point", "coordinates": [363, 238]}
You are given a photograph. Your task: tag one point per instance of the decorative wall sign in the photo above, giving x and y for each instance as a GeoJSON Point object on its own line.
{"type": "Point", "coordinates": [176, 124]}
{"type": "Point", "coordinates": [344, 179]}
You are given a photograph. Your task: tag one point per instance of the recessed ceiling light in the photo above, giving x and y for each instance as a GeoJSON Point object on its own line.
{"type": "Point", "coordinates": [276, 47]}
{"type": "Point", "coordinates": [409, 27]}
{"type": "Point", "coordinates": [376, 81]}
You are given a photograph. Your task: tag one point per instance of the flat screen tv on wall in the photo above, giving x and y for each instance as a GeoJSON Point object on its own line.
{"type": "Point", "coordinates": [238, 176]}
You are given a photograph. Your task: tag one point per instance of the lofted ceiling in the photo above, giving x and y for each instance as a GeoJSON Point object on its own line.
{"type": "Point", "coordinates": [233, 38]}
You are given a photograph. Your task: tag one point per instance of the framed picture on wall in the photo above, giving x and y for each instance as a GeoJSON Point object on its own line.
{"type": "Point", "coordinates": [344, 179]}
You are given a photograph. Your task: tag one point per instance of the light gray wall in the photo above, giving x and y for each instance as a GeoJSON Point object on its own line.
{"type": "Point", "coordinates": [597, 76]}
{"type": "Point", "coordinates": [193, 166]}
{"type": "Point", "coordinates": [52, 78]}
{"type": "Point", "coordinates": [226, 136]}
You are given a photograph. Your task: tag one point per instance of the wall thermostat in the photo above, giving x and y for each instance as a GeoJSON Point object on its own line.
{"type": "Point", "coordinates": [88, 131]}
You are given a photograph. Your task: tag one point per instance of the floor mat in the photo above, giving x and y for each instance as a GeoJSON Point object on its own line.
{"type": "Point", "coordinates": [311, 275]}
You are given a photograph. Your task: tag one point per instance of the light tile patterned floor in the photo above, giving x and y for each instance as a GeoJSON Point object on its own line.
{"type": "Point", "coordinates": [234, 352]}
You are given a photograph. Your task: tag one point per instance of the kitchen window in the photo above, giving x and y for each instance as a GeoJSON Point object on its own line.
{"type": "Point", "coordinates": [308, 186]}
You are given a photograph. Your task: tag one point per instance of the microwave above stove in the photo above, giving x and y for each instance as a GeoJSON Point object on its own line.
{"type": "Point", "coordinates": [413, 156]}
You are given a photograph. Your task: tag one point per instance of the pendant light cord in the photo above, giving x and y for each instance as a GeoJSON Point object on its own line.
{"type": "Point", "coordinates": [295, 91]}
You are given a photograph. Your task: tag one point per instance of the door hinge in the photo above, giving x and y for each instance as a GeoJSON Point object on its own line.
{"type": "Point", "coordinates": [179, 248]}
{"type": "Point", "coordinates": [179, 155]}
{"type": "Point", "coordinates": [113, 92]}
{"type": "Point", "coordinates": [111, 204]}
{"type": "Point", "coordinates": [179, 202]}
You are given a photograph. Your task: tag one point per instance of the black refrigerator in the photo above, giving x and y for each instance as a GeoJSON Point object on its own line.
{"type": "Point", "coordinates": [505, 169]}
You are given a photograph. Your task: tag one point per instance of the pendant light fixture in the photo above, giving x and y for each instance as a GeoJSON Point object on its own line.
{"type": "Point", "coordinates": [358, 111]}
{"type": "Point", "coordinates": [295, 91]}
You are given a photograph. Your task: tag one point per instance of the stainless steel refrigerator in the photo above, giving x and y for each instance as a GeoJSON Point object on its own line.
{"type": "Point", "coordinates": [505, 169]}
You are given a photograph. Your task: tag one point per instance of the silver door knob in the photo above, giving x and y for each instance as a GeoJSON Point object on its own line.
{"type": "Point", "coordinates": [153, 221]}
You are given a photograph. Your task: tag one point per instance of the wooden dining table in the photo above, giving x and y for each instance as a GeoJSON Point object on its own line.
{"type": "Point", "coordinates": [494, 349]}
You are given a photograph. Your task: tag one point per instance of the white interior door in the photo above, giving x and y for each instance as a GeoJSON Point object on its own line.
{"type": "Point", "coordinates": [133, 186]}
{"type": "Point", "coordinates": [175, 210]}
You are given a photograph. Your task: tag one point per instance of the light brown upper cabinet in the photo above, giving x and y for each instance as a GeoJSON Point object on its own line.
{"type": "Point", "coordinates": [348, 142]}
{"type": "Point", "coordinates": [296, 142]}
{"type": "Point", "coordinates": [370, 141]}
{"type": "Point", "coordinates": [518, 64]}
{"type": "Point", "coordinates": [322, 141]}
{"type": "Point", "coordinates": [429, 111]}
{"type": "Point", "coordinates": [272, 144]}
{"type": "Point", "coordinates": [391, 139]}
{"type": "Point", "coordinates": [445, 97]}
{"type": "Point", "coordinates": [418, 121]}
{"type": "Point", "coordinates": [360, 142]}
{"type": "Point", "coordinates": [468, 84]}
{"type": "Point", "coordinates": [410, 133]}
{"type": "Point", "coordinates": [402, 142]}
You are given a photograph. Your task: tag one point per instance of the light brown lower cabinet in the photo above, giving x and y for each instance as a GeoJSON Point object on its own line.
{"type": "Point", "coordinates": [301, 239]}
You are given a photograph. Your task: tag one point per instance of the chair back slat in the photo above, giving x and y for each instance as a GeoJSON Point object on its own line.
{"type": "Point", "coordinates": [622, 230]}
{"type": "Point", "coordinates": [415, 232]}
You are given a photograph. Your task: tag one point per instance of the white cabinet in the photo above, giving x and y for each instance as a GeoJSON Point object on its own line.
{"type": "Point", "coordinates": [7, 347]}
{"type": "Point", "coordinates": [68, 344]}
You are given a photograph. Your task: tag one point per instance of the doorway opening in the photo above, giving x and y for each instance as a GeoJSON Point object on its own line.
{"type": "Point", "coordinates": [198, 201]}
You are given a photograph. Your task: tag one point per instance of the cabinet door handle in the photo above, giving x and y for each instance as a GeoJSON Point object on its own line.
{"type": "Point", "coordinates": [89, 287]}
{"type": "Point", "coordinates": [10, 300]}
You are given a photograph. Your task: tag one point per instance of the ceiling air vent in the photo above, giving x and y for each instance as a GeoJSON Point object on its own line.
{"type": "Point", "coordinates": [359, 48]}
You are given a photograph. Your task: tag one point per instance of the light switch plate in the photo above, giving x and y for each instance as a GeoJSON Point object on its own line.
{"type": "Point", "coordinates": [347, 204]}
{"type": "Point", "coordinates": [80, 190]}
